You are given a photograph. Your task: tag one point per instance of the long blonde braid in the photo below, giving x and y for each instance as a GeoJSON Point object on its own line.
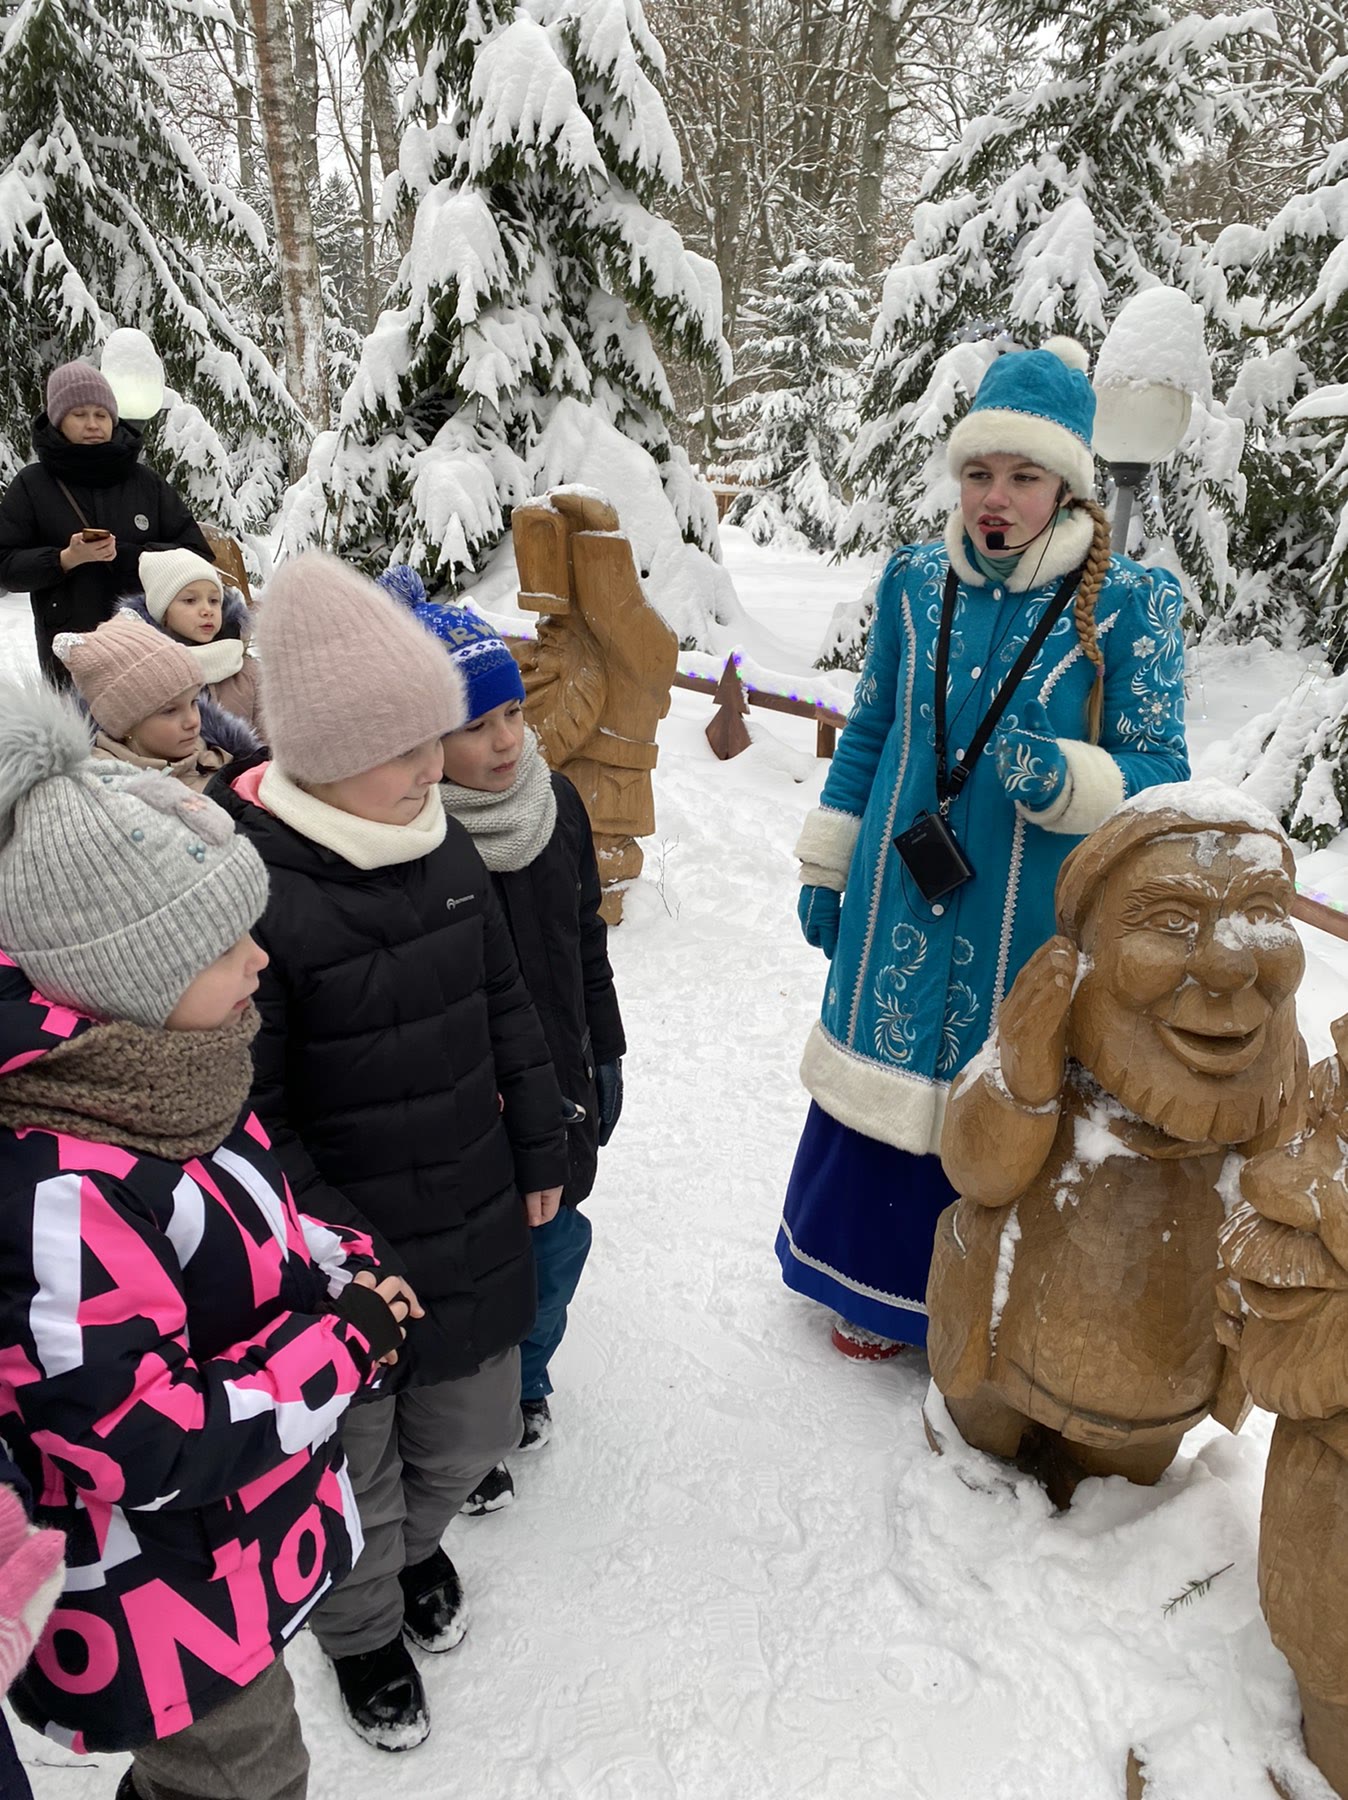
{"type": "Point", "coordinates": [1092, 580]}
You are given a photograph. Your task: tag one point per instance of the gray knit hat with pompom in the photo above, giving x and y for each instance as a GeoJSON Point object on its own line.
{"type": "Point", "coordinates": [118, 886]}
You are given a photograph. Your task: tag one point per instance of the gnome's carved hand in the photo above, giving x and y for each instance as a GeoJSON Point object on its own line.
{"type": "Point", "coordinates": [1032, 1025]}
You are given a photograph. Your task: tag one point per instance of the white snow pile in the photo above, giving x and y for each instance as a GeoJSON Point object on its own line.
{"type": "Point", "coordinates": [1157, 337]}
{"type": "Point", "coordinates": [1207, 800]}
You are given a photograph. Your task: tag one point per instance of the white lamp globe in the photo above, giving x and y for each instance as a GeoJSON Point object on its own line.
{"type": "Point", "coordinates": [1140, 424]}
{"type": "Point", "coordinates": [1152, 366]}
{"type": "Point", "coordinates": [131, 367]}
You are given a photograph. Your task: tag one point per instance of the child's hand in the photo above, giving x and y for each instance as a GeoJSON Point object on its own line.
{"type": "Point", "coordinates": [399, 1298]}
{"type": "Point", "coordinates": [542, 1206]}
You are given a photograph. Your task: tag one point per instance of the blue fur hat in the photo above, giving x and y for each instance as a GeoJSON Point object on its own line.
{"type": "Point", "coordinates": [1037, 404]}
{"type": "Point", "coordinates": [491, 676]}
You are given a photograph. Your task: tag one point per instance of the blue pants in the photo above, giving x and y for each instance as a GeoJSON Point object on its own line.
{"type": "Point", "coordinates": [560, 1249]}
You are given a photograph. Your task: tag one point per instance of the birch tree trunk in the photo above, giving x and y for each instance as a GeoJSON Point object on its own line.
{"type": "Point", "coordinates": [882, 55]}
{"type": "Point", "coordinates": [296, 244]}
{"type": "Point", "coordinates": [242, 85]}
{"type": "Point", "coordinates": [383, 117]}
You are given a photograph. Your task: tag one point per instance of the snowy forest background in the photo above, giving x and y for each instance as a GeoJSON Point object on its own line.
{"type": "Point", "coordinates": [410, 261]}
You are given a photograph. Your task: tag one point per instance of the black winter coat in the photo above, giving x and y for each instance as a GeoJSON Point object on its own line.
{"type": "Point", "coordinates": [552, 908]}
{"type": "Point", "coordinates": [114, 490]}
{"type": "Point", "coordinates": [404, 1077]}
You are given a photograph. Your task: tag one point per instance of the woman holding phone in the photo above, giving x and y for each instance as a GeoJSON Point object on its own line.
{"type": "Point", "coordinates": [73, 523]}
{"type": "Point", "coordinates": [1020, 682]}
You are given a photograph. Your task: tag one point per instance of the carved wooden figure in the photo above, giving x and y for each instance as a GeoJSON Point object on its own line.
{"type": "Point", "coordinates": [598, 677]}
{"type": "Point", "coordinates": [1071, 1286]}
{"type": "Point", "coordinates": [1286, 1246]}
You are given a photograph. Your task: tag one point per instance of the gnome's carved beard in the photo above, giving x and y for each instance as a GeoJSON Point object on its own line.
{"type": "Point", "coordinates": [1129, 1058]}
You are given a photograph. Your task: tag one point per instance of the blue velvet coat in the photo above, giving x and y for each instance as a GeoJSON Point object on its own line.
{"type": "Point", "coordinates": [913, 988]}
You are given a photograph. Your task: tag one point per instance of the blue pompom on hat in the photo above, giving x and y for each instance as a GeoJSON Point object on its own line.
{"type": "Point", "coordinates": [1037, 404]}
{"type": "Point", "coordinates": [490, 674]}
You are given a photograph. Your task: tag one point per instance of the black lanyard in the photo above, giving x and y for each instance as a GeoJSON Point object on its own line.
{"type": "Point", "coordinates": [950, 781]}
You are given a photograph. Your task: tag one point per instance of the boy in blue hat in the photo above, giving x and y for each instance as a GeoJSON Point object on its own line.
{"type": "Point", "coordinates": [532, 831]}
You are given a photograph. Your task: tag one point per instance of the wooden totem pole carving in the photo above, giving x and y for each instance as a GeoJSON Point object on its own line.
{"type": "Point", "coordinates": [598, 677]}
{"type": "Point", "coordinates": [1071, 1292]}
{"type": "Point", "coordinates": [1286, 1249]}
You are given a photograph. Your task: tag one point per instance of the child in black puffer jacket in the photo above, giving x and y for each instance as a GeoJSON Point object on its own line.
{"type": "Point", "coordinates": [405, 1080]}
{"type": "Point", "coordinates": [532, 831]}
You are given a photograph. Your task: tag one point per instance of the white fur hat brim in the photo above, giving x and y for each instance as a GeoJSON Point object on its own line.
{"type": "Point", "coordinates": [1040, 441]}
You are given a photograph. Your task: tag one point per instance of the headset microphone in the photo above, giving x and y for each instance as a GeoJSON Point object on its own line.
{"type": "Point", "coordinates": [996, 540]}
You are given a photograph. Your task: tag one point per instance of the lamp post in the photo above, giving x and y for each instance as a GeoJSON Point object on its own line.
{"type": "Point", "coordinates": [1151, 366]}
{"type": "Point", "coordinates": [131, 367]}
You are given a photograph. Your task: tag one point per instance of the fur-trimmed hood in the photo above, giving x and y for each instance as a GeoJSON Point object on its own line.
{"type": "Point", "coordinates": [236, 620]}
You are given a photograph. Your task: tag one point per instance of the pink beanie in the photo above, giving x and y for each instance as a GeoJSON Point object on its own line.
{"type": "Point", "coordinates": [349, 679]}
{"type": "Point", "coordinates": [78, 384]}
{"type": "Point", "coordinates": [126, 670]}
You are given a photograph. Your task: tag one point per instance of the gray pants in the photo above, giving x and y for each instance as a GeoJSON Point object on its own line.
{"type": "Point", "coordinates": [414, 1460]}
{"type": "Point", "coordinates": [248, 1748]}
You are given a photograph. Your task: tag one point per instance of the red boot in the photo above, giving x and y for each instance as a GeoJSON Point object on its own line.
{"type": "Point", "coordinates": [862, 1345]}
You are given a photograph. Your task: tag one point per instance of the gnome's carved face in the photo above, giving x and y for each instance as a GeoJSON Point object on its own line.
{"type": "Point", "coordinates": [1187, 1011]}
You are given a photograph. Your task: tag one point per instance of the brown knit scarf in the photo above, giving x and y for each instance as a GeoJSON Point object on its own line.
{"type": "Point", "coordinates": [165, 1093]}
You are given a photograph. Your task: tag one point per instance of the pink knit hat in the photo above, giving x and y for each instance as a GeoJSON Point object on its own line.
{"type": "Point", "coordinates": [349, 679]}
{"type": "Point", "coordinates": [78, 384]}
{"type": "Point", "coordinates": [126, 670]}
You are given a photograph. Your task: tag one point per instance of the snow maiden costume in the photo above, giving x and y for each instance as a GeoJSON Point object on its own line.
{"type": "Point", "coordinates": [914, 983]}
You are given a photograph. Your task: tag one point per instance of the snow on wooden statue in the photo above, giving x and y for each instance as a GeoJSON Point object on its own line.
{"type": "Point", "coordinates": [1072, 1292]}
{"type": "Point", "coordinates": [1285, 1312]}
{"type": "Point", "coordinates": [597, 679]}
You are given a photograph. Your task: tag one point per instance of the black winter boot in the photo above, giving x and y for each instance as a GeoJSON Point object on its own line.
{"type": "Point", "coordinates": [495, 1490]}
{"type": "Point", "coordinates": [434, 1614]}
{"type": "Point", "coordinates": [537, 1424]}
{"type": "Point", "coordinates": [383, 1698]}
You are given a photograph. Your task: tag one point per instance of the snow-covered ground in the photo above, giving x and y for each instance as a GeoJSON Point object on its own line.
{"type": "Point", "coordinates": [738, 1573]}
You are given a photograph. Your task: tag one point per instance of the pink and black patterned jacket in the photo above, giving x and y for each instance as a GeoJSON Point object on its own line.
{"type": "Point", "coordinates": [172, 1380]}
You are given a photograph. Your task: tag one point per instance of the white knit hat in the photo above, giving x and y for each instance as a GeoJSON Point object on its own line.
{"type": "Point", "coordinates": [165, 573]}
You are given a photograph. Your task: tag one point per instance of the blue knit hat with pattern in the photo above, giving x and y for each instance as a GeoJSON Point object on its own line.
{"type": "Point", "coordinates": [491, 676]}
{"type": "Point", "coordinates": [1038, 404]}
{"type": "Point", "coordinates": [403, 582]}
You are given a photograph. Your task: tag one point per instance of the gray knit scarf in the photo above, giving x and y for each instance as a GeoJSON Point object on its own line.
{"type": "Point", "coordinates": [509, 829]}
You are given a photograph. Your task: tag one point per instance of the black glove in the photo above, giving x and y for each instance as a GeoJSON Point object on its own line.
{"type": "Point", "coordinates": [608, 1080]}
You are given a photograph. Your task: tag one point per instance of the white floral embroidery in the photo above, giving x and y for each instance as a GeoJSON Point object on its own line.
{"type": "Point", "coordinates": [961, 1010]}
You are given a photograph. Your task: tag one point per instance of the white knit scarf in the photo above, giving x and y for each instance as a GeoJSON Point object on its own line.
{"type": "Point", "coordinates": [509, 829]}
{"type": "Point", "coordinates": [364, 843]}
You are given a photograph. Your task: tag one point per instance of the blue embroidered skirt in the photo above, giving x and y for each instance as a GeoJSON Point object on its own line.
{"type": "Point", "coordinates": [858, 1227]}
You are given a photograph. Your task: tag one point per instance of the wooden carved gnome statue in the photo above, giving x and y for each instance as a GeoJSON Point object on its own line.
{"type": "Point", "coordinates": [1071, 1292]}
{"type": "Point", "coordinates": [598, 678]}
{"type": "Point", "coordinates": [1286, 1246]}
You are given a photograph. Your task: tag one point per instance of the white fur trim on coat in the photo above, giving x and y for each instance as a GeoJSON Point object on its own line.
{"type": "Point", "coordinates": [1093, 790]}
{"type": "Point", "coordinates": [825, 845]}
{"type": "Point", "coordinates": [888, 1104]}
{"type": "Point", "coordinates": [1042, 441]}
{"type": "Point", "coordinates": [1068, 546]}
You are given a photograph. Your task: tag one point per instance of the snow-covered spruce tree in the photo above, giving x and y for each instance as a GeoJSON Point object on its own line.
{"type": "Point", "coordinates": [791, 433]}
{"type": "Point", "coordinates": [1303, 270]}
{"type": "Point", "coordinates": [1043, 219]}
{"type": "Point", "coordinates": [540, 273]}
{"type": "Point", "coordinates": [107, 218]}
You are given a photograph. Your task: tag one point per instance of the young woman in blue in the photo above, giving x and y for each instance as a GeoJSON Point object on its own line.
{"type": "Point", "coordinates": [914, 984]}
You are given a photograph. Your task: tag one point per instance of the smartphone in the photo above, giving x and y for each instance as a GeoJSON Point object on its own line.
{"type": "Point", "coordinates": [94, 534]}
